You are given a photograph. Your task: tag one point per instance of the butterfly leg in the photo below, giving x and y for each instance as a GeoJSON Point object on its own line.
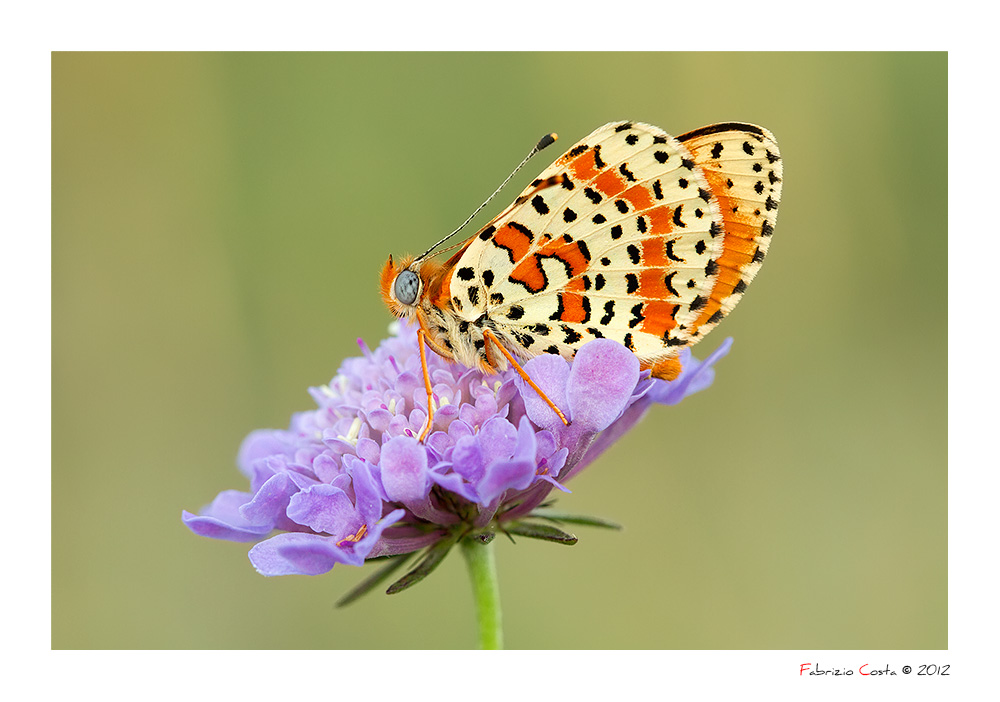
{"type": "Point", "coordinates": [422, 340]}
{"type": "Point", "coordinates": [489, 336]}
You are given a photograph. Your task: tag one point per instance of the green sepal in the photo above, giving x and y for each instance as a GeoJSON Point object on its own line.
{"type": "Point", "coordinates": [391, 565]}
{"type": "Point", "coordinates": [428, 562]}
{"type": "Point", "coordinates": [484, 537]}
{"type": "Point", "coordinates": [576, 519]}
{"type": "Point", "coordinates": [545, 532]}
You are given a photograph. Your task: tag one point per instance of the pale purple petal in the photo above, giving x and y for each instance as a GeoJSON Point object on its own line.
{"type": "Point", "coordinates": [550, 373]}
{"type": "Point", "coordinates": [497, 440]}
{"type": "Point", "coordinates": [453, 482]}
{"type": "Point", "coordinates": [516, 473]}
{"type": "Point", "coordinates": [467, 458]}
{"type": "Point", "coordinates": [269, 504]}
{"type": "Point", "coordinates": [222, 519]}
{"type": "Point", "coordinates": [404, 469]}
{"type": "Point", "coordinates": [367, 497]}
{"type": "Point", "coordinates": [261, 444]}
{"type": "Point", "coordinates": [697, 376]}
{"type": "Point", "coordinates": [601, 382]}
{"type": "Point", "coordinates": [296, 554]}
{"type": "Point", "coordinates": [325, 508]}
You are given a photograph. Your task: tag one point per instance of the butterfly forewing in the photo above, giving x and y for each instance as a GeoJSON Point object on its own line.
{"type": "Point", "coordinates": [626, 236]}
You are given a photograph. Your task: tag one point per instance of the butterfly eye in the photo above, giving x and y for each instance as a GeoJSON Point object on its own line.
{"type": "Point", "coordinates": [407, 286]}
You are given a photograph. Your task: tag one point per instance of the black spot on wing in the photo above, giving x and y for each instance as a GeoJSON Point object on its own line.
{"type": "Point", "coordinates": [559, 308]}
{"type": "Point", "coordinates": [609, 313]}
{"type": "Point", "coordinates": [572, 336]}
{"type": "Point", "coordinates": [631, 282]}
{"type": "Point", "coordinates": [670, 252]}
{"type": "Point", "coordinates": [668, 282]}
{"type": "Point", "coordinates": [677, 216]}
{"type": "Point", "coordinates": [637, 316]}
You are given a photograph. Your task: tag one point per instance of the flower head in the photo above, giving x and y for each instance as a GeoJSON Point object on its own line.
{"type": "Point", "coordinates": [350, 481]}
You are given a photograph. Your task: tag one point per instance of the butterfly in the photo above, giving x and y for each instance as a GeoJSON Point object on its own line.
{"type": "Point", "coordinates": [632, 235]}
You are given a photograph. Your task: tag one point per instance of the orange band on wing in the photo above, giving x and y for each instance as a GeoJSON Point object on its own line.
{"type": "Point", "coordinates": [609, 183]}
{"type": "Point", "coordinates": [516, 241]}
{"type": "Point", "coordinates": [530, 274]}
{"type": "Point", "coordinates": [660, 220]}
{"type": "Point", "coordinates": [659, 317]}
{"type": "Point", "coordinates": [573, 309]}
{"type": "Point", "coordinates": [738, 247]}
{"type": "Point", "coordinates": [584, 166]}
{"type": "Point", "coordinates": [654, 253]}
{"type": "Point", "coordinates": [639, 197]}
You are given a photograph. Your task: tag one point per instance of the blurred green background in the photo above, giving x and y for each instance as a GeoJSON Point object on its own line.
{"type": "Point", "coordinates": [218, 224]}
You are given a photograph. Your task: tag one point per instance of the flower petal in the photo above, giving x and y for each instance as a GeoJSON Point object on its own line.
{"type": "Point", "coordinates": [222, 519]}
{"type": "Point", "coordinates": [601, 382]}
{"type": "Point", "coordinates": [261, 444]}
{"type": "Point", "coordinates": [550, 373]}
{"type": "Point", "coordinates": [696, 376]}
{"type": "Point", "coordinates": [296, 554]}
{"type": "Point", "coordinates": [404, 469]}
{"type": "Point", "coordinates": [518, 472]}
{"type": "Point", "coordinates": [325, 508]}
{"type": "Point", "coordinates": [267, 508]}
{"type": "Point", "coordinates": [367, 497]}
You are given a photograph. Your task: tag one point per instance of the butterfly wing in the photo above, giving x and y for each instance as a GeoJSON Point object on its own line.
{"type": "Point", "coordinates": [644, 238]}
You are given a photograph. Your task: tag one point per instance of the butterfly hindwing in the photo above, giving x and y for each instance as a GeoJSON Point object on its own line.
{"type": "Point", "coordinates": [743, 166]}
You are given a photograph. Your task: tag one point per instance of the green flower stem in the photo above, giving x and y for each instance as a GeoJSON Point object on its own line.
{"type": "Point", "coordinates": [485, 590]}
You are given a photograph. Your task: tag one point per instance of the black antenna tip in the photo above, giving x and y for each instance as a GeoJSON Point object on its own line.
{"type": "Point", "coordinates": [546, 140]}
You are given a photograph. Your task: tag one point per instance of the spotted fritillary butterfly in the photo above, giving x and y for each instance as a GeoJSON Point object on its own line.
{"type": "Point", "coordinates": [632, 235]}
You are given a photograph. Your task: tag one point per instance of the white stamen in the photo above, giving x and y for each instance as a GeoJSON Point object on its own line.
{"type": "Point", "coordinates": [352, 434]}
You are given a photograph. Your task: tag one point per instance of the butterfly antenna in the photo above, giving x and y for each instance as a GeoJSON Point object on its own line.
{"type": "Point", "coordinates": [542, 143]}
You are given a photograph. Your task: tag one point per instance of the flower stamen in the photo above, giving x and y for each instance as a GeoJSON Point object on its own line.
{"type": "Point", "coordinates": [355, 537]}
{"type": "Point", "coordinates": [353, 432]}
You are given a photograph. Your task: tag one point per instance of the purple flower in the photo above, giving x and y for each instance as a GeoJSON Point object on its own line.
{"type": "Point", "coordinates": [350, 481]}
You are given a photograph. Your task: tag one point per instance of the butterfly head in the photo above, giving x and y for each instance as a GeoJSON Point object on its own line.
{"type": "Point", "coordinates": [402, 286]}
